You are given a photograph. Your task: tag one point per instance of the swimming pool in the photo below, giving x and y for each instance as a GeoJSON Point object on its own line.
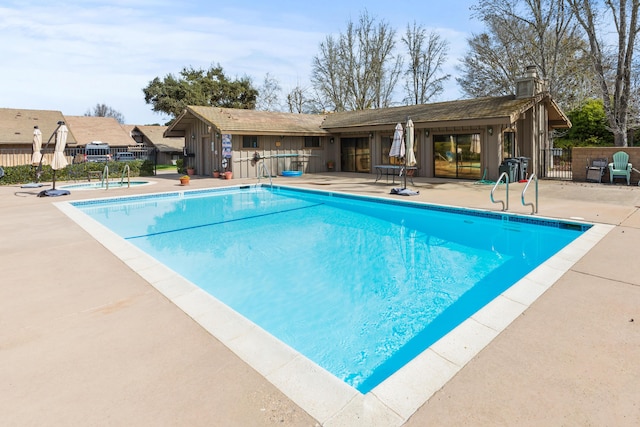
{"type": "Point", "coordinates": [98, 185]}
{"type": "Point", "coordinates": [396, 245]}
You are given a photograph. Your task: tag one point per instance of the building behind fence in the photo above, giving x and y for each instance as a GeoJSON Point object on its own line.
{"type": "Point", "coordinates": [22, 156]}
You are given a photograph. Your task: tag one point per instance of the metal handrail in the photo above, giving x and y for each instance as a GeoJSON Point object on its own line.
{"type": "Point", "coordinates": [506, 178]}
{"type": "Point", "coordinates": [105, 173]}
{"type": "Point", "coordinates": [128, 170]}
{"type": "Point", "coordinates": [534, 208]}
{"type": "Point", "coordinates": [263, 167]}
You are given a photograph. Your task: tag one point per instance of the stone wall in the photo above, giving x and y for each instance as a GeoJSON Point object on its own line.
{"type": "Point", "coordinates": [582, 156]}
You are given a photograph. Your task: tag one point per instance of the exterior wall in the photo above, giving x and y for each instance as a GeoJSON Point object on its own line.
{"type": "Point", "coordinates": [310, 160]}
{"type": "Point", "coordinates": [581, 157]}
{"type": "Point", "coordinates": [204, 153]}
{"type": "Point", "coordinates": [204, 146]}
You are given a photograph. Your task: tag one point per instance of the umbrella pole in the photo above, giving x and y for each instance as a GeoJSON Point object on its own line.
{"type": "Point", "coordinates": [405, 155]}
{"type": "Point", "coordinates": [405, 169]}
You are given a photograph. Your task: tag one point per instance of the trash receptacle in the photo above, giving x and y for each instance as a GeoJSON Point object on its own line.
{"type": "Point", "coordinates": [510, 166]}
{"type": "Point", "coordinates": [523, 167]}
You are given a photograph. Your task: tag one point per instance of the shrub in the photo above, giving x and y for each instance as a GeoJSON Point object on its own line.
{"type": "Point", "coordinates": [147, 168]}
{"type": "Point", "coordinates": [74, 171]}
{"type": "Point", "coordinates": [180, 166]}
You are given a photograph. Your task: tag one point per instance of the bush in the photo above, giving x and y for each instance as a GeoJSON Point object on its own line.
{"type": "Point", "coordinates": [21, 174]}
{"type": "Point", "coordinates": [180, 166]}
{"type": "Point", "coordinates": [76, 171]}
{"type": "Point", "coordinates": [147, 168]}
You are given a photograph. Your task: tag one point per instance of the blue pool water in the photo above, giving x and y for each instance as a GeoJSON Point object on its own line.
{"type": "Point", "coordinates": [357, 285]}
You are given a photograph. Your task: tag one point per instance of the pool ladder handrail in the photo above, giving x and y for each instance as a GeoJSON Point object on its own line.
{"type": "Point", "coordinates": [105, 175]}
{"type": "Point", "coordinates": [506, 178]}
{"type": "Point", "coordinates": [534, 208]}
{"type": "Point", "coordinates": [128, 171]}
{"type": "Point", "coordinates": [263, 168]}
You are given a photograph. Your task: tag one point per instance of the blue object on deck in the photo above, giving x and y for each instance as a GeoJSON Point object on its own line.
{"type": "Point", "coordinates": [291, 173]}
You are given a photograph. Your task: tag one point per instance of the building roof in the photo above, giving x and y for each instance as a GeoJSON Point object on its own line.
{"type": "Point", "coordinates": [155, 134]}
{"type": "Point", "coordinates": [507, 108]}
{"type": "Point", "coordinates": [16, 125]}
{"type": "Point", "coordinates": [239, 121]}
{"type": "Point", "coordinates": [105, 129]}
{"type": "Point", "coordinates": [504, 109]}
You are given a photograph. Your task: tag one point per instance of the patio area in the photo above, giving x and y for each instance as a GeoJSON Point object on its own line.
{"type": "Point", "coordinates": [87, 341]}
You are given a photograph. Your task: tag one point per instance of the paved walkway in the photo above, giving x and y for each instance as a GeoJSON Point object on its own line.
{"type": "Point", "coordinates": [86, 341]}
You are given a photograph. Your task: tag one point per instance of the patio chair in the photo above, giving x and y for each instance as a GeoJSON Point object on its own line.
{"type": "Point", "coordinates": [595, 171]}
{"type": "Point", "coordinates": [620, 166]}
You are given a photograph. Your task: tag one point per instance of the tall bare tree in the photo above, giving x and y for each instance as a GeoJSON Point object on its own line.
{"type": "Point", "coordinates": [300, 101]}
{"type": "Point", "coordinates": [427, 54]}
{"type": "Point", "coordinates": [615, 82]}
{"type": "Point", "coordinates": [269, 94]}
{"type": "Point", "coordinates": [103, 110]}
{"type": "Point", "coordinates": [521, 33]}
{"type": "Point", "coordinates": [357, 69]}
{"type": "Point", "coordinates": [492, 63]}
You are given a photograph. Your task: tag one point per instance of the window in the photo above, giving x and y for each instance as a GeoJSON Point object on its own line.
{"type": "Point", "coordinates": [312, 142]}
{"type": "Point", "coordinates": [250, 141]}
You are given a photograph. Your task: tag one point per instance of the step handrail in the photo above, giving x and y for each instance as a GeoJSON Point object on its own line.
{"type": "Point", "coordinates": [506, 178]}
{"type": "Point", "coordinates": [105, 173]}
{"type": "Point", "coordinates": [263, 168]}
{"type": "Point", "coordinates": [126, 169]}
{"type": "Point", "coordinates": [534, 208]}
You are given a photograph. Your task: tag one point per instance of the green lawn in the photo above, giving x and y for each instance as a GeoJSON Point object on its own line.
{"type": "Point", "coordinates": [166, 168]}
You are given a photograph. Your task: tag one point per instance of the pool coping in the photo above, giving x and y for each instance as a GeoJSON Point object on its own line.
{"type": "Point", "coordinates": [322, 395]}
{"type": "Point", "coordinates": [86, 186]}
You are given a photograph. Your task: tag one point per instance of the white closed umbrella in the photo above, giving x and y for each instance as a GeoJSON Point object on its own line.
{"type": "Point", "coordinates": [410, 159]}
{"type": "Point", "coordinates": [36, 157]}
{"type": "Point", "coordinates": [397, 146]}
{"type": "Point", "coordinates": [411, 155]}
{"type": "Point", "coordinates": [59, 160]}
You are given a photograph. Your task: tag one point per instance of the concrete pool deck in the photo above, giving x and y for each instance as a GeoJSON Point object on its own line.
{"type": "Point", "coordinates": [85, 340]}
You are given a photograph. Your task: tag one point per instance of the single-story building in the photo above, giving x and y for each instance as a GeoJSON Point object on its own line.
{"type": "Point", "coordinates": [17, 129]}
{"type": "Point", "coordinates": [457, 139]}
{"type": "Point", "coordinates": [168, 150]}
{"type": "Point", "coordinates": [16, 133]}
{"type": "Point", "coordinates": [108, 130]}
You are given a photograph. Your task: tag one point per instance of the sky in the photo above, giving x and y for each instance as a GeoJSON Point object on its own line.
{"type": "Point", "coordinates": [70, 56]}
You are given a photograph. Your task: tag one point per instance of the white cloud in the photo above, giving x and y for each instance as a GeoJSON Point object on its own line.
{"type": "Point", "coordinates": [71, 56]}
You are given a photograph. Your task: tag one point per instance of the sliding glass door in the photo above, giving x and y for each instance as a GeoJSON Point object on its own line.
{"type": "Point", "coordinates": [354, 155]}
{"type": "Point", "coordinates": [457, 156]}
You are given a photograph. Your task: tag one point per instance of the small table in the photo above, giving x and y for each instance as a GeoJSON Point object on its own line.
{"type": "Point", "coordinates": [391, 170]}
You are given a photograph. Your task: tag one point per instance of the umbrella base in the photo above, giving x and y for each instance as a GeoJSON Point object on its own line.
{"type": "Point", "coordinates": [53, 193]}
{"type": "Point", "coordinates": [404, 192]}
